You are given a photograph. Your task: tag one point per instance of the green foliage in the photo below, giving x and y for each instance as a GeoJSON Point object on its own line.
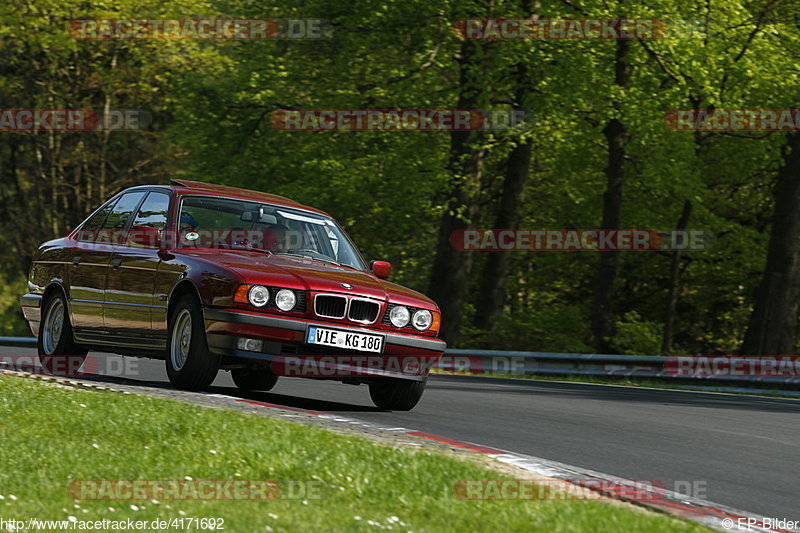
{"type": "Point", "coordinates": [212, 104]}
{"type": "Point", "coordinates": [12, 323]}
{"type": "Point", "coordinates": [637, 336]}
{"type": "Point", "coordinates": [546, 327]}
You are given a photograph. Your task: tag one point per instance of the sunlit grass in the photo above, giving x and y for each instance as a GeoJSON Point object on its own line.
{"type": "Point", "coordinates": [52, 435]}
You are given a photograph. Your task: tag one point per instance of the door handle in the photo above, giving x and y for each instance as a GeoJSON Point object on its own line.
{"type": "Point", "coordinates": [116, 263]}
{"type": "Point", "coordinates": [76, 260]}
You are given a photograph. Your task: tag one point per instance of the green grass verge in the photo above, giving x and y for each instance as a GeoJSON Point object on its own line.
{"type": "Point", "coordinates": [51, 435]}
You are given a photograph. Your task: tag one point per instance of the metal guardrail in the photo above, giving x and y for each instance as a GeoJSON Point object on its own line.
{"type": "Point", "coordinates": [20, 342]}
{"type": "Point", "coordinates": [516, 363]}
{"type": "Point", "coordinates": [656, 367]}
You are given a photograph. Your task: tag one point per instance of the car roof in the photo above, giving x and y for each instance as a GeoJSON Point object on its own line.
{"type": "Point", "coordinates": [182, 187]}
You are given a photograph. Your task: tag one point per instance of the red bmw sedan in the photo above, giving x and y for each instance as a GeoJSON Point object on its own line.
{"type": "Point", "coordinates": [209, 278]}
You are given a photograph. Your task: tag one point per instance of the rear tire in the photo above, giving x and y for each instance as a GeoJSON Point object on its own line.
{"type": "Point", "coordinates": [254, 379]}
{"type": "Point", "coordinates": [396, 394]}
{"type": "Point", "coordinates": [190, 364]}
{"type": "Point", "coordinates": [58, 353]}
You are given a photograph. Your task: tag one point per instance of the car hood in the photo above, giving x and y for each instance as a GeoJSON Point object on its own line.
{"type": "Point", "coordinates": [310, 275]}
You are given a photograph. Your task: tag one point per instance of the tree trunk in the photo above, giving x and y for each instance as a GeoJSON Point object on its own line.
{"type": "Point", "coordinates": [772, 326]}
{"type": "Point", "coordinates": [614, 131]}
{"type": "Point", "coordinates": [450, 274]}
{"type": "Point", "coordinates": [491, 291]}
{"type": "Point", "coordinates": [491, 296]}
{"type": "Point", "coordinates": [672, 299]}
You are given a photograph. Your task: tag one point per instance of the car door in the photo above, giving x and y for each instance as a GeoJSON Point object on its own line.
{"type": "Point", "coordinates": [86, 273]}
{"type": "Point", "coordinates": [129, 300]}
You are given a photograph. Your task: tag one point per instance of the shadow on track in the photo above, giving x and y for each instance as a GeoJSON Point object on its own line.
{"type": "Point", "coordinates": [282, 400]}
{"type": "Point", "coordinates": [296, 402]}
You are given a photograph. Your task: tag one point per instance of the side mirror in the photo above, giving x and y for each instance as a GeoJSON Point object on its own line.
{"type": "Point", "coordinates": [381, 269]}
{"type": "Point", "coordinates": [145, 236]}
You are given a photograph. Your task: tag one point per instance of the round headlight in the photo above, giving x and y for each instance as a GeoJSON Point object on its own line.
{"type": "Point", "coordinates": [258, 295]}
{"type": "Point", "coordinates": [285, 300]}
{"type": "Point", "coordinates": [422, 319]}
{"type": "Point", "coordinates": [399, 316]}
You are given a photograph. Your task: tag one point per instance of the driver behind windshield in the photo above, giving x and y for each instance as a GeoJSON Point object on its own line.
{"type": "Point", "coordinates": [277, 238]}
{"type": "Point", "coordinates": [188, 222]}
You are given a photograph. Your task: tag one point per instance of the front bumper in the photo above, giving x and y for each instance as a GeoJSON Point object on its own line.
{"type": "Point", "coordinates": [32, 311]}
{"type": "Point", "coordinates": [408, 357]}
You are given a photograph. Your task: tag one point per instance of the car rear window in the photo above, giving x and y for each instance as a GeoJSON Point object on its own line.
{"type": "Point", "coordinates": [95, 222]}
{"type": "Point", "coordinates": [154, 211]}
{"type": "Point", "coordinates": [119, 217]}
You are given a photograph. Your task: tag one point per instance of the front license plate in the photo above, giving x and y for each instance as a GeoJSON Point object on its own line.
{"type": "Point", "coordinates": [345, 339]}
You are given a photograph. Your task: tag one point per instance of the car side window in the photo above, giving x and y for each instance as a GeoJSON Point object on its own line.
{"type": "Point", "coordinates": [119, 217]}
{"type": "Point", "coordinates": [88, 231]}
{"type": "Point", "coordinates": [154, 211]}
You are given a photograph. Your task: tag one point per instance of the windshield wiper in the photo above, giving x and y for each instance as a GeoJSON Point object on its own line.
{"type": "Point", "coordinates": [305, 256]}
{"type": "Point", "coordinates": [252, 248]}
{"type": "Point", "coordinates": [331, 261]}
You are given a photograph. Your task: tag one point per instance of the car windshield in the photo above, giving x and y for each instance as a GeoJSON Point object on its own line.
{"type": "Point", "coordinates": [230, 223]}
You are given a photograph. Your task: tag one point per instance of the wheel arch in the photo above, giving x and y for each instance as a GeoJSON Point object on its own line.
{"type": "Point", "coordinates": [52, 288]}
{"type": "Point", "coordinates": [200, 366]}
{"type": "Point", "coordinates": [181, 289]}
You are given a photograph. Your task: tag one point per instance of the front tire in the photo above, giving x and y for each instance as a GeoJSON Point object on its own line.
{"type": "Point", "coordinates": [190, 364]}
{"type": "Point", "coordinates": [253, 379]}
{"type": "Point", "coordinates": [396, 394]}
{"type": "Point", "coordinates": [58, 353]}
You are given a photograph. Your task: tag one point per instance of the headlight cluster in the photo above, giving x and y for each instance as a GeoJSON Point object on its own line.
{"type": "Point", "coordinates": [259, 296]}
{"type": "Point", "coordinates": [422, 319]}
{"type": "Point", "coordinates": [285, 300]}
{"type": "Point", "coordinates": [400, 316]}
